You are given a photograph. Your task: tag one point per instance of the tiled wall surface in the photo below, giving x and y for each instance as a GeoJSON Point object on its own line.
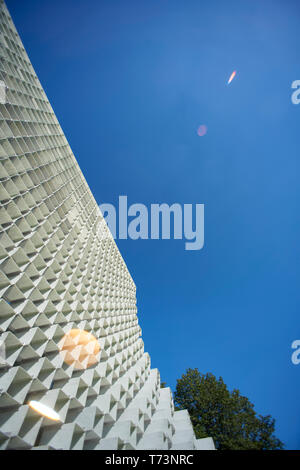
{"type": "Point", "coordinates": [61, 271]}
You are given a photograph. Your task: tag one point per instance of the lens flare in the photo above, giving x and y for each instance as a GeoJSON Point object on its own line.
{"type": "Point", "coordinates": [202, 130]}
{"type": "Point", "coordinates": [231, 77]}
{"type": "Point", "coordinates": [44, 410]}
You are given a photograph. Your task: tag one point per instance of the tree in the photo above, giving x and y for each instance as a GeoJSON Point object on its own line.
{"type": "Point", "coordinates": [227, 417]}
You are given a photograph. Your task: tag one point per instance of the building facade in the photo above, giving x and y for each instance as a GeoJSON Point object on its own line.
{"type": "Point", "coordinates": [69, 334]}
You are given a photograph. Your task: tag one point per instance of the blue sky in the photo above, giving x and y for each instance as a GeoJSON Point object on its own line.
{"type": "Point", "coordinates": [130, 82]}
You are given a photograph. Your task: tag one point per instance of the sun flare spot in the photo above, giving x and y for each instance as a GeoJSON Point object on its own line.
{"type": "Point", "coordinates": [231, 77]}
{"type": "Point", "coordinates": [202, 130]}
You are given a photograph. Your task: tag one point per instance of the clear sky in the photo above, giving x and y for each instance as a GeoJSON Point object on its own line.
{"type": "Point", "coordinates": [130, 82]}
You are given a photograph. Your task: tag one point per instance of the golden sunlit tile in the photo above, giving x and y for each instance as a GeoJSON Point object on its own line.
{"type": "Point", "coordinates": [79, 349]}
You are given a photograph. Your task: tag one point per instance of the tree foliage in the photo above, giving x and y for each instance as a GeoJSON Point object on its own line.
{"type": "Point", "coordinates": [227, 417]}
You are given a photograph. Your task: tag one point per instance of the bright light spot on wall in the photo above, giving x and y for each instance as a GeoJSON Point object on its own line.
{"type": "Point", "coordinates": [44, 410]}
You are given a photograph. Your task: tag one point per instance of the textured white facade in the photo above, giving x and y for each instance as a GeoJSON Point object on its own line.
{"type": "Point", "coordinates": [61, 270]}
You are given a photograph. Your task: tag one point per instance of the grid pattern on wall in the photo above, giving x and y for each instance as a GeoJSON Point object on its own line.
{"type": "Point", "coordinates": [61, 270]}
